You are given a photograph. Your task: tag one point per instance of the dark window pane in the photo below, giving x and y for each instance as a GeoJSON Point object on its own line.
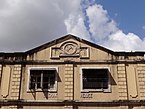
{"type": "Point", "coordinates": [95, 78]}
{"type": "Point", "coordinates": [32, 86]}
{"type": "Point", "coordinates": [38, 85]}
{"type": "Point", "coordinates": [45, 85]}
{"type": "Point", "coordinates": [38, 79]}
{"type": "Point", "coordinates": [35, 81]}
{"type": "Point", "coordinates": [46, 78]}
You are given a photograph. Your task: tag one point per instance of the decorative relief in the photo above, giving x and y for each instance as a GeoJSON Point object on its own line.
{"type": "Point", "coordinates": [55, 52]}
{"type": "Point", "coordinates": [52, 95]}
{"type": "Point", "coordinates": [70, 49]}
{"type": "Point", "coordinates": [84, 53]}
{"type": "Point", "coordinates": [86, 95]}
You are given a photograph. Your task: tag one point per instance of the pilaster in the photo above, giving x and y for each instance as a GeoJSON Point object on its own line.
{"type": "Point", "coordinates": [16, 76]}
{"type": "Point", "coordinates": [68, 84]}
{"type": "Point", "coordinates": [122, 86]}
{"type": "Point", "coordinates": [141, 80]}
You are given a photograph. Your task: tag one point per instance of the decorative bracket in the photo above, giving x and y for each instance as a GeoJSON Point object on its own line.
{"type": "Point", "coordinates": [70, 49]}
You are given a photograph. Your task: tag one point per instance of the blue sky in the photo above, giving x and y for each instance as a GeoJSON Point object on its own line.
{"type": "Point", "coordinates": [129, 14]}
{"type": "Point", "coordinates": [118, 25]}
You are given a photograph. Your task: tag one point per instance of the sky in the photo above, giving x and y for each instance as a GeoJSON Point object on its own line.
{"type": "Point", "coordinates": [116, 25]}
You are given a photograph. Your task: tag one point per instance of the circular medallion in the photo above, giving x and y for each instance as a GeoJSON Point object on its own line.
{"type": "Point", "coordinates": [70, 48]}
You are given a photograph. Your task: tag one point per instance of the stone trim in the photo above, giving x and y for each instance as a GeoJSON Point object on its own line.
{"type": "Point", "coordinates": [41, 68]}
{"type": "Point", "coordinates": [122, 85]}
{"type": "Point", "coordinates": [97, 90]}
{"type": "Point", "coordinates": [71, 102]}
{"type": "Point", "coordinates": [68, 94]}
{"type": "Point", "coordinates": [16, 76]}
{"type": "Point", "coordinates": [141, 80]}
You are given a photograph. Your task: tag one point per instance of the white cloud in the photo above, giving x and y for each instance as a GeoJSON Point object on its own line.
{"type": "Point", "coordinates": [105, 31]}
{"type": "Point", "coordinates": [27, 23]}
{"type": "Point", "coordinates": [119, 41]}
{"type": "Point", "coordinates": [100, 24]}
{"type": "Point", "coordinates": [75, 25]}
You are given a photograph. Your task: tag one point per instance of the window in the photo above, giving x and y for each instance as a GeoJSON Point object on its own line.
{"type": "Point", "coordinates": [42, 78]}
{"type": "Point", "coordinates": [95, 79]}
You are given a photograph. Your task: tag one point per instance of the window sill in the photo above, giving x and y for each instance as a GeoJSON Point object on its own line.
{"type": "Point", "coordinates": [41, 90]}
{"type": "Point", "coordinates": [96, 90]}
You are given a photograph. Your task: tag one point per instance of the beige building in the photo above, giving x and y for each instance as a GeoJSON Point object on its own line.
{"type": "Point", "coordinates": [72, 73]}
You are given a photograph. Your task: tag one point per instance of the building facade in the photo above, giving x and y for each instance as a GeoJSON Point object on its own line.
{"type": "Point", "coordinates": [72, 73]}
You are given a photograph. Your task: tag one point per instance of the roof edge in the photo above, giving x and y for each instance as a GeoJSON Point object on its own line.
{"type": "Point", "coordinates": [69, 36]}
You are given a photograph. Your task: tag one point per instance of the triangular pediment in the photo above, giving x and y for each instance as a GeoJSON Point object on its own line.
{"type": "Point", "coordinates": [70, 46]}
{"type": "Point", "coordinates": [64, 39]}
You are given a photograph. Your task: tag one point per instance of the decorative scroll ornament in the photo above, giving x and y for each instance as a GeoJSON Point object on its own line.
{"type": "Point", "coordinates": [70, 48]}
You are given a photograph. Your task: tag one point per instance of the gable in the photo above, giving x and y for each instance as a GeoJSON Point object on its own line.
{"type": "Point", "coordinates": [69, 48]}
{"type": "Point", "coordinates": [61, 50]}
{"type": "Point", "coordinates": [64, 38]}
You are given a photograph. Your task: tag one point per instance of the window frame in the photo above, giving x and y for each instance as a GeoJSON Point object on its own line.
{"type": "Point", "coordinates": [42, 68]}
{"type": "Point", "coordinates": [94, 90]}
